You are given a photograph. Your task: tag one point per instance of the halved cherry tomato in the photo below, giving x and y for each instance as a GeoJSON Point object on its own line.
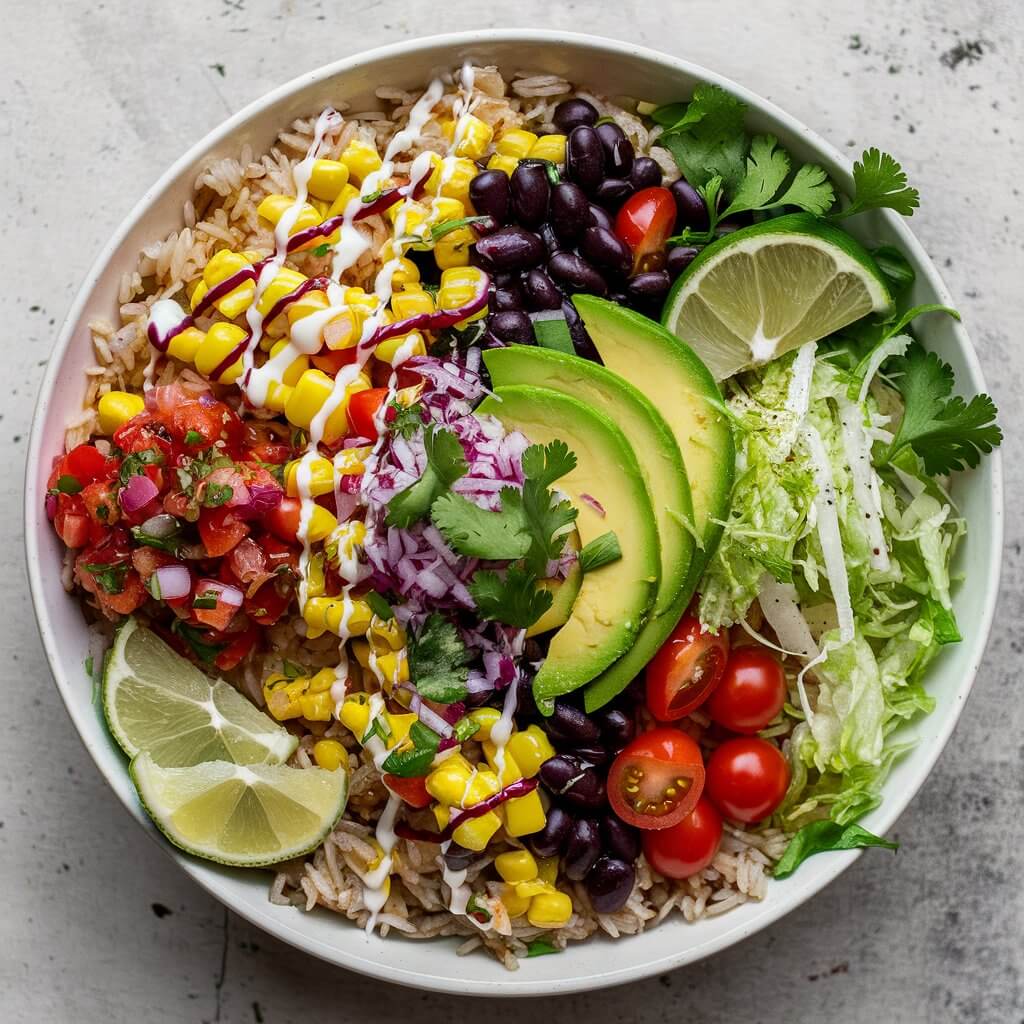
{"type": "Point", "coordinates": [362, 408]}
{"type": "Point", "coordinates": [687, 847]}
{"type": "Point", "coordinates": [278, 553]}
{"type": "Point", "coordinates": [644, 222]}
{"type": "Point", "coordinates": [238, 646]}
{"type": "Point", "coordinates": [283, 520]}
{"type": "Point", "coordinates": [220, 530]}
{"type": "Point", "coordinates": [684, 673]}
{"type": "Point", "coordinates": [751, 693]}
{"type": "Point", "coordinates": [331, 360]}
{"type": "Point", "coordinates": [413, 791]}
{"type": "Point", "coordinates": [657, 779]}
{"type": "Point", "coordinates": [747, 778]}
{"type": "Point", "coordinates": [85, 463]}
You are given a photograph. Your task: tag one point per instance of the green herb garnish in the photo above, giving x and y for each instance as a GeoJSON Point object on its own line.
{"type": "Point", "coordinates": [446, 463]}
{"type": "Point", "coordinates": [193, 437]}
{"type": "Point", "coordinates": [600, 551]}
{"type": "Point", "coordinates": [437, 661]}
{"type": "Point", "coordinates": [109, 575]}
{"type": "Point", "coordinates": [379, 605]}
{"type": "Point", "coordinates": [821, 837]}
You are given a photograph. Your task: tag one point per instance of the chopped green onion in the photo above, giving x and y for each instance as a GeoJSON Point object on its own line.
{"type": "Point", "coordinates": [600, 551]}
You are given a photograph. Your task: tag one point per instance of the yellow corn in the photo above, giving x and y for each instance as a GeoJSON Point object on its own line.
{"type": "Point", "coordinates": [308, 397]}
{"type": "Point", "coordinates": [550, 910]}
{"type": "Point", "coordinates": [547, 869]}
{"type": "Point", "coordinates": [304, 697]}
{"type": "Point", "coordinates": [406, 303]}
{"type": "Point", "coordinates": [273, 207]}
{"type": "Point", "coordinates": [355, 714]}
{"type": "Point", "coordinates": [458, 286]}
{"type": "Point", "coordinates": [116, 408]}
{"type": "Point", "coordinates": [524, 815]}
{"type": "Point", "coordinates": [549, 147]}
{"type": "Point", "coordinates": [388, 635]}
{"type": "Point", "coordinates": [450, 177]}
{"type": "Point", "coordinates": [220, 267]}
{"type": "Point", "coordinates": [393, 667]}
{"type": "Point", "coordinates": [344, 197]}
{"type": "Point", "coordinates": [321, 477]}
{"type": "Point", "coordinates": [361, 650]}
{"type": "Point", "coordinates": [474, 136]}
{"type": "Point", "coordinates": [396, 351]}
{"type": "Point", "coordinates": [486, 719]}
{"type": "Point", "coordinates": [295, 369]}
{"type": "Point", "coordinates": [342, 544]}
{"type": "Point", "coordinates": [514, 904]}
{"type": "Point", "coordinates": [529, 748]}
{"type": "Point", "coordinates": [406, 273]}
{"type": "Point", "coordinates": [311, 302]}
{"type": "Point", "coordinates": [442, 815]}
{"type": "Point", "coordinates": [531, 887]}
{"type": "Point", "coordinates": [476, 833]}
{"type": "Point", "coordinates": [444, 209]}
{"type": "Point", "coordinates": [184, 346]}
{"type": "Point", "coordinates": [448, 781]}
{"type": "Point", "coordinates": [332, 614]}
{"type": "Point", "coordinates": [316, 585]}
{"type": "Point", "coordinates": [452, 249]}
{"type": "Point", "coordinates": [516, 865]}
{"type": "Point", "coordinates": [320, 205]}
{"type": "Point", "coordinates": [220, 341]}
{"type": "Point", "coordinates": [330, 754]}
{"type": "Point", "coordinates": [503, 163]}
{"type": "Point", "coordinates": [327, 179]}
{"type": "Point", "coordinates": [516, 142]}
{"type": "Point", "coordinates": [361, 159]}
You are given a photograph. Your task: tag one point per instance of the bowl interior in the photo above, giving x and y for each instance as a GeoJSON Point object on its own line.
{"type": "Point", "coordinates": [616, 70]}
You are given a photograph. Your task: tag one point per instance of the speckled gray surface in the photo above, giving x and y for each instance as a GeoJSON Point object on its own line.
{"type": "Point", "coordinates": [95, 100]}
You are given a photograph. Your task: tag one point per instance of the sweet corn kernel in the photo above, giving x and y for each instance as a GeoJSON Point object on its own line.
{"type": "Point", "coordinates": [532, 887]}
{"type": "Point", "coordinates": [219, 268]}
{"type": "Point", "coordinates": [482, 784]}
{"type": "Point", "coordinates": [308, 397]}
{"type": "Point", "coordinates": [516, 865]}
{"type": "Point", "coordinates": [315, 582]}
{"type": "Point", "coordinates": [344, 197]}
{"type": "Point", "coordinates": [486, 719]}
{"type": "Point", "coordinates": [344, 330]}
{"type": "Point", "coordinates": [549, 147]}
{"type": "Point", "coordinates": [452, 249]}
{"type": "Point", "coordinates": [274, 207]}
{"type": "Point", "coordinates": [388, 635]}
{"type": "Point", "coordinates": [281, 695]}
{"type": "Point", "coordinates": [221, 340]}
{"type": "Point", "coordinates": [547, 869]}
{"type": "Point", "coordinates": [503, 163]}
{"type": "Point", "coordinates": [285, 282]}
{"type": "Point", "coordinates": [399, 726]}
{"type": "Point", "coordinates": [352, 462]}
{"type": "Point", "coordinates": [530, 748]}
{"type": "Point", "coordinates": [393, 667]}
{"type": "Point", "coordinates": [411, 301]}
{"type": "Point", "coordinates": [448, 128]}
{"type": "Point", "coordinates": [406, 273]}
{"type": "Point", "coordinates": [321, 477]}
{"type": "Point", "coordinates": [410, 218]}
{"type": "Point", "coordinates": [311, 302]}
{"type": "Point", "coordinates": [361, 650]}
{"type": "Point", "coordinates": [116, 408]}
{"type": "Point", "coordinates": [516, 142]}
{"type": "Point", "coordinates": [448, 781]}
{"type": "Point", "coordinates": [514, 904]}
{"type": "Point", "coordinates": [342, 548]}
{"type": "Point", "coordinates": [455, 178]}
{"type": "Point", "coordinates": [335, 615]}
{"type": "Point", "coordinates": [550, 910]}
{"type": "Point", "coordinates": [509, 769]}
{"type": "Point", "coordinates": [277, 396]}
{"type": "Point", "coordinates": [295, 369]}
{"type": "Point", "coordinates": [524, 815]}
{"type": "Point", "coordinates": [361, 159]}
{"type": "Point", "coordinates": [321, 206]}
{"type": "Point", "coordinates": [317, 707]}
{"type": "Point", "coordinates": [474, 136]}
{"type": "Point", "coordinates": [396, 351]}
{"type": "Point", "coordinates": [321, 524]}
{"type": "Point", "coordinates": [458, 286]}
{"type": "Point", "coordinates": [327, 179]}
{"type": "Point", "coordinates": [445, 209]}
{"type": "Point", "coordinates": [476, 833]}
{"type": "Point", "coordinates": [330, 754]}
{"type": "Point", "coordinates": [355, 713]}
{"type": "Point", "coordinates": [184, 346]}
{"type": "Point", "coordinates": [442, 815]}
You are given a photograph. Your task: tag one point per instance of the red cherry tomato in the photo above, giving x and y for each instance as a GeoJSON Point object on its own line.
{"type": "Point", "coordinates": [85, 463]}
{"type": "Point", "coordinates": [72, 528]}
{"type": "Point", "coordinates": [747, 778]}
{"type": "Point", "coordinates": [751, 693]}
{"type": "Point", "coordinates": [413, 791]}
{"type": "Point", "coordinates": [220, 530]}
{"type": "Point", "coordinates": [196, 426]}
{"type": "Point", "coordinates": [644, 222]}
{"type": "Point", "coordinates": [283, 520]}
{"type": "Point", "coordinates": [682, 675]}
{"type": "Point", "coordinates": [100, 500]}
{"type": "Point", "coordinates": [657, 779]}
{"type": "Point", "coordinates": [688, 847]}
{"type": "Point", "coordinates": [269, 603]}
{"type": "Point", "coordinates": [362, 408]}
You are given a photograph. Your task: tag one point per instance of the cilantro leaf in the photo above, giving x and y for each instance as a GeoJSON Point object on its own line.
{"type": "Point", "coordinates": [879, 182]}
{"type": "Point", "coordinates": [66, 484]}
{"type": "Point", "coordinates": [811, 190]}
{"type": "Point", "coordinates": [408, 420]}
{"type": "Point", "coordinates": [109, 575]}
{"type": "Point", "coordinates": [416, 760]}
{"type": "Point", "coordinates": [437, 661]}
{"type": "Point", "coordinates": [514, 600]}
{"type": "Point", "coordinates": [481, 533]}
{"type": "Point", "coordinates": [446, 462]}
{"type": "Point", "coordinates": [546, 517]}
{"type": "Point", "coordinates": [708, 139]}
{"type": "Point", "coordinates": [896, 269]}
{"type": "Point", "coordinates": [322, 249]}
{"type": "Point", "coordinates": [600, 551]}
{"type": "Point", "coordinates": [946, 432]}
{"type": "Point", "coordinates": [540, 947]}
{"type": "Point", "coordinates": [204, 651]}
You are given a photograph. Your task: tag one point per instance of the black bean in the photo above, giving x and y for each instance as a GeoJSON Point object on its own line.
{"type": "Point", "coordinates": [505, 297]}
{"type": "Point", "coordinates": [601, 218]}
{"type": "Point", "coordinates": [571, 113]}
{"type": "Point", "coordinates": [613, 192]}
{"type": "Point", "coordinates": [511, 248]}
{"type": "Point", "coordinates": [526, 706]}
{"type": "Point", "coordinates": [586, 791]}
{"type": "Point", "coordinates": [619, 298]}
{"type": "Point", "coordinates": [679, 258]}
{"type": "Point", "coordinates": [511, 327]}
{"type": "Point", "coordinates": [609, 883]}
{"type": "Point", "coordinates": [569, 211]}
{"type": "Point", "coordinates": [458, 857]}
{"type": "Point", "coordinates": [549, 840]}
{"type": "Point", "coordinates": [592, 753]}
{"type": "Point", "coordinates": [581, 340]}
{"type": "Point", "coordinates": [618, 150]}
{"type": "Point", "coordinates": [605, 249]}
{"type": "Point", "coordinates": [551, 240]}
{"type": "Point", "coordinates": [571, 724]}
{"type": "Point", "coordinates": [489, 193]}
{"type": "Point", "coordinates": [584, 158]}
{"type": "Point", "coordinates": [691, 210]}
{"type": "Point", "coordinates": [620, 840]}
{"type": "Point", "coordinates": [531, 192]}
{"type": "Point", "coordinates": [653, 284]}
{"type": "Point", "coordinates": [582, 849]}
{"type": "Point", "coordinates": [645, 173]}
{"type": "Point", "coordinates": [577, 273]}
{"type": "Point", "coordinates": [541, 292]}
{"type": "Point", "coordinates": [617, 727]}
{"type": "Point", "coordinates": [558, 772]}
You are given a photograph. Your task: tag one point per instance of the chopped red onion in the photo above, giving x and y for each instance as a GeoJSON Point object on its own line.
{"type": "Point", "coordinates": [224, 592]}
{"type": "Point", "coordinates": [173, 582]}
{"type": "Point", "coordinates": [50, 504]}
{"type": "Point", "coordinates": [593, 503]}
{"type": "Point", "coordinates": [137, 493]}
{"type": "Point", "coordinates": [427, 715]}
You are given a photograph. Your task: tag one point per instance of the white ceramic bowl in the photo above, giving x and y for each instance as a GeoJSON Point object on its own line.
{"type": "Point", "coordinates": [615, 69]}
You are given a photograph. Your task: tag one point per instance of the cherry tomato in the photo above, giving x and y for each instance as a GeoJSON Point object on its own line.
{"type": "Point", "coordinates": [196, 426]}
{"type": "Point", "coordinates": [657, 779]}
{"type": "Point", "coordinates": [683, 674]}
{"type": "Point", "coordinates": [72, 528]}
{"type": "Point", "coordinates": [688, 847]}
{"type": "Point", "coordinates": [413, 791]}
{"type": "Point", "coordinates": [751, 693]}
{"type": "Point", "coordinates": [100, 500]}
{"type": "Point", "coordinates": [283, 520]}
{"type": "Point", "coordinates": [644, 222]}
{"type": "Point", "coordinates": [85, 463]}
{"type": "Point", "coordinates": [332, 360]}
{"type": "Point", "coordinates": [220, 530]}
{"type": "Point", "coordinates": [278, 553]}
{"type": "Point", "coordinates": [362, 408]}
{"type": "Point", "coordinates": [238, 646]}
{"type": "Point", "coordinates": [269, 603]}
{"type": "Point", "coordinates": [747, 778]}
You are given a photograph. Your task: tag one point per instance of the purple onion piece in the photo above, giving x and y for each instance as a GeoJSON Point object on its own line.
{"type": "Point", "coordinates": [137, 493]}
{"type": "Point", "coordinates": [173, 582]}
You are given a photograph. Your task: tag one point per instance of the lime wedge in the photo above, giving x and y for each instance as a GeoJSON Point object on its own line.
{"type": "Point", "coordinates": [762, 291]}
{"type": "Point", "coordinates": [242, 815]}
{"type": "Point", "coordinates": [156, 701]}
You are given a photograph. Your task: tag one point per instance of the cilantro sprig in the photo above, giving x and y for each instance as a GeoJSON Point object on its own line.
{"type": "Point", "coordinates": [446, 463]}
{"type": "Point", "coordinates": [514, 599]}
{"type": "Point", "coordinates": [880, 183]}
{"type": "Point", "coordinates": [438, 660]}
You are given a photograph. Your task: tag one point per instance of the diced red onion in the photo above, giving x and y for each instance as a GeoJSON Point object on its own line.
{"type": "Point", "coordinates": [173, 581]}
{"type": "Point", "coordinates": [427, 715]}
{"type": "Point", "coordinates": [257, 500]}
{"type": "Point", "coordinates": [593, 503]}
{"type": "Point", "coordinates": [137, 493]}
{"type": "Point", "coordinates": [50, 504]}
{"type": "Point", "coordinates": [225, 592]}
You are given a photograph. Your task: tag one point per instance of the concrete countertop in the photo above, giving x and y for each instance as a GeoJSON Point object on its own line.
{"type": "Point", "coordinates": [96, 99]}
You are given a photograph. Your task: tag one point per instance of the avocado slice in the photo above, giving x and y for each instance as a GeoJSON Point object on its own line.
{"type": "Point", "coordinates": [681, 387]}
{"type": "Point", "coordinates": [563, 598]}
{"type": "Point", "coordinates": [661, 466]}
{"type": "Point", "coordinates": [613, 601]}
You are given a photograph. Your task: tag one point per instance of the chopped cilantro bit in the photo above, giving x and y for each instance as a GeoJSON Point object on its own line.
{"type": "Point", "coordinates": [216, 495]}
{"type": "Point", "coordinates": [437, 661]}
{"type": "Point", "coordinates": [135, 463]}
{"type": "Point", "coordinates": [408, 419]}
{"type": "Point", "coordinates": [66, 484]}
{"type": "Point", "coordinates": [514, 599]}
{"type": "Point", "coordinates": [480, 533]}
{"type": "Point", "coordinates": [193, 437]}
{"type": "Point", "coordinates": [322, 249]}
{"type": "Point", "coordinates": [208, 599]}
{"type": "Point", "coordinates": [540, 947]}
{"type": "Point", "coordinates": [109, 575]}
{"type": "Point", "coordinates": [205, 652]}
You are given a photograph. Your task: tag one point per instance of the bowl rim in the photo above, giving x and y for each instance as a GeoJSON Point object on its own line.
{"type": "Point", "coordinates": [779, 904]}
